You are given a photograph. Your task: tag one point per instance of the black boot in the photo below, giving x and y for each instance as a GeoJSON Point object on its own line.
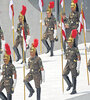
{"type": "Point", "coordinates": [52, 45]}
{"type": "Point", "coordinates": [38, 93]}
{"type": "Point", "coordinates": [29, 87]}
{"type": "Point", "coordinates": [66, 78]}
{"type": "Point", "coordinates": [17, 53]}
{"type": "Point", "coordinates": [46, 45]}
{"type": "Point", "coordinates": [74, 85]}
{"type": "Point", "coordinates": [9, 97]}
{"type": "Point", "coordinates": [2, 96]}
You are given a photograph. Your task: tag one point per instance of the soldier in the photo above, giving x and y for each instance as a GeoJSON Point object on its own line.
{"type": "Point", "coordinates": [51, 30]}
{"type": "Point", "coordinates": [19, 39]}
{"type": "Point", "coordinates": [36, 72]}
{"type": "Point", "coordinates": [73, 65]}
{"type": "Point", "coordinates": [74, 19]}
{"type": "Point", "coordinates": [8, 71]}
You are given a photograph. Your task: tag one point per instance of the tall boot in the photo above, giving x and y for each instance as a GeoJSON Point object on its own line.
{"type": "Point", "coordinates": [9, 96]}
{"type": "Point", "coordinates": [46, 45]}
{"type": "Point", "coordinates": [52, 45]}
{"type": "Point", "coordinates": [2, 96]}
{"type": "Point", "coordinates": [29, 87]}
{"type": "Point", "coordinates": [38, 93]}
{"type": "Point", "coordinates": [66, 78]}
{"type": "Point", "coordinates": [17, 53]}
{"type": "Point", "coordinates": [74, 85]}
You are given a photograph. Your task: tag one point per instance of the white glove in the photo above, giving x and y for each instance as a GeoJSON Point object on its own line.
{"type": "Point", "coordinates": [55, 33]}
{"type": "Point", "coordinates": [22, 33]}
{"type": "Point", "coordinates": [78, 66]}
{"type": "Point", "coordinates": [3, 44]}
{"type": "Point", "coordinates": [43, 76]}
{"type": "Point", "coordinates": [28, 39]}
{"type": "Point", "coordinates": [14, 84]}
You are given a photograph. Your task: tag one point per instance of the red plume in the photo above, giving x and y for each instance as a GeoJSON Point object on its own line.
{"type": "Point", "coordinates": [75, 1]}
{"type": "Point", "coordinates": [23, 12]}
{"type": "Point", "coordinates": [7, 49]}
{"type": "Point", "coordinates": [74, 33]}
{"type": "Point", "coordinates": [51, 4]}
{"type": "Point", "coordinates": [35, 44]}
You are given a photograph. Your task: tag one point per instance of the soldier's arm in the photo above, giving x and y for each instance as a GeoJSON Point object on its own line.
{"type": "Point", "coordinates": [40, 64]}
{"type": "Point", "coordinates": [28, 29]}
{"type": "Point", "coordinates": [78, 54]}
{"type": "Point", "coordinates": [14, 72]}
{"type": "Point", "coordinates": [18, 29]}
{"type": "Point", "coordinates": [45, 21]}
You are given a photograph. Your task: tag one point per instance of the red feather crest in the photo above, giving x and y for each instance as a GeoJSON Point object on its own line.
{"type": "Point", "coordinates": [35, 44]}
{"type": "Point", "coordinates": [7, 49]}
{"type": "Point", "coordinates": [23, 12]}
{"type": "Point", "coordinates": [51, 4]}
{"type": "Point", "coordinates": [75, 1]}
{"type": "Point", "coordinates": [74, 33]}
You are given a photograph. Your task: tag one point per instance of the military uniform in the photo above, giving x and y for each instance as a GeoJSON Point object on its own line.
{"type": "Point", "coordinates": [1, 34]}
{"type": "Point", "coordinates": [49, 22]}
{"type": "Point", "coordinates": [49, 33]}
{"type": "Point", "coordinates": [19, 39]}
{"type": "Point", "coordinates": [72, 55]}
{"type": "Point", "coordinates": [74, 23]}
{"type": "Point", "coordinates": [35, 65]}
{"type": "Point", "coordinates": [7, 79]}
{"type": "Point", "coordinates": [35, 73]}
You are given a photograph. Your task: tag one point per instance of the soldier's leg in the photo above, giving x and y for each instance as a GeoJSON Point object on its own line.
{"type": "Point", "coordinates": [23, 52]}
{"type": "Point", "coordinates": [44, 40]}
{"type": "Point", "coordinates": [38, 93]}
{"type": "Point", "coordinates": [9, 96]}
{"type": "Point", "coordinates": [37, 79]}
{"type": "Point", "coordinates": [17, 42]}
{"type": "Point", "coordinates": [2, 96]}
{"type": "Point", "coordinates": [51, 38]}
{"type": "Point", "coordinates": [28, 78]}
{"type": "Point", "coordinates": [74, 76]}
{"type": "Point", "coordinates": [64, 46]}
{"type": "Point", "coordinates": [66, 78]}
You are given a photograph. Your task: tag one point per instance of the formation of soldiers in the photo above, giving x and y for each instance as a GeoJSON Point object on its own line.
{"type": "Point", "coordinates": [35, 65]}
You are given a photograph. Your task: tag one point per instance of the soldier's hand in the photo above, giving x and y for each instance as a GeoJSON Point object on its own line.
{"type": "Point", "coordinates": [14, 84]}
{"type": "Point", "coordinates": [55, 33]}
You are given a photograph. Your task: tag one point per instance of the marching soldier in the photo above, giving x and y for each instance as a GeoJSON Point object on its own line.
{"type": "Point", "coordinates": [8, 71]}
{"type": "Point", "coordinates": [72, 65]}
{"type": "Point", "coordinates": [36, 72]}
{"type": "Point", "coordinates": [19, 39]}
{"type": "Point", "coordinates": [51, 30]}
{"type": "Point", "coordinates": [74, 19]}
